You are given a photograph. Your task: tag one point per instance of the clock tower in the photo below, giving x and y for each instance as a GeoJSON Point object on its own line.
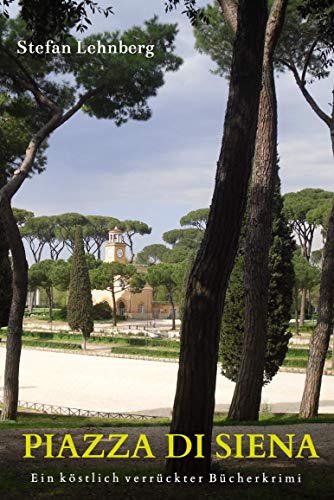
{"type": "Point", "coordinates": [115, 248]}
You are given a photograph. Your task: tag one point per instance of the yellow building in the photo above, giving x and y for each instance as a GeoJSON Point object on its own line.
{"type": "Point", "coordinates": [132, 305]}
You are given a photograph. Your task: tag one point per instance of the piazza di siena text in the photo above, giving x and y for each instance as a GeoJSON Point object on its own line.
{"type": "Point", "coordinates": [244, 446]}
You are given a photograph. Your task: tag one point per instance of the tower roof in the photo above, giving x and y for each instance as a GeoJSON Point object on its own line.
{"type": "Point", "coordinates": [116, 230]}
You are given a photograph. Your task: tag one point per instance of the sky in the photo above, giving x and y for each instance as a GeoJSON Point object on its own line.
{"type": "Point", "coordinates": [157, 171]}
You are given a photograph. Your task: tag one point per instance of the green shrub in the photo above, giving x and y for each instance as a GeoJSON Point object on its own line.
{"type": "Point", "coordinates": [60, 315]}
{"type": "Point", "coordinates": [102, 311]}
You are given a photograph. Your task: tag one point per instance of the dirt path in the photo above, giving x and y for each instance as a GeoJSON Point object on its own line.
{"type": "Point", "coordinates": [136, 386]}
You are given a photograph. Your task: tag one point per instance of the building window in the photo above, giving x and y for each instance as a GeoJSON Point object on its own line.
{"type": "Point", "coordinates": [141, 308]}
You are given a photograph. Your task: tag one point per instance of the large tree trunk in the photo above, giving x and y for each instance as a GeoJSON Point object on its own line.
{"type": "Point", "coordinates": [320, 339]}
{"type": "Point", "coordinates": [195, 395]}
{"type": "Point", "coordinates": [247, 394]}
{"type": "Point", "coordinates": [14, 332]}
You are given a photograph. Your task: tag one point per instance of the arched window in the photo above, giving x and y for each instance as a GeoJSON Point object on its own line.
{"type": "Point", "coordinates": [141, 308]}
{"type": "Point", "coordinates": [121, 307]}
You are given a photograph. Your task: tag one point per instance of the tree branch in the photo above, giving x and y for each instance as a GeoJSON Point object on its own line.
{"type": "Point", "coordinates": [30, 84]}
{"type": "Point", "coordinates": [55, 122]}
{"type": "Point", "coordinates": [230, 11]}
{"type": "Point", "coordinates": [274, 27]}
{"type": "Point", "coordinates": [308, 97]}
{"type": "Point", "coordinates": [307, 60]}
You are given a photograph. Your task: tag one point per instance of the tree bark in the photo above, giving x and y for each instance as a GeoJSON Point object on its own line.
{"type": "Point", "coordinates": [247, 394]}
{"type": "Point", "coordinates": [14, 331]}
{"type": "Point", "coordinates": [320, 338]}
{"type": "Point", "coordinates": [195, 394]}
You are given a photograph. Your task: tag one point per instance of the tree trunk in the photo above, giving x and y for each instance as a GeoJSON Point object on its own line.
{"type": "Point", "coordinates": [49, 296]}
{"type": "Point", "coordinates": [320, 338]}
{"type": "Point", "coordinates": [173, 311]}
{"type": "Point", "coordinates": [84, 343]}
{"type": "Point", "coordinates": [195, 394]}
{"type": "Point", "coordinates": [303, 307]}
{"type": "Point", "coordinates": [114, 311]}
{"type": "Point", "coordinates": [14, 332]}
{"type": "Point", "coordinates": [32, 300]}
{"type": "Point", "coordinates": [247, 394]}
{"type": "Point", "coordinates": [296, 311]}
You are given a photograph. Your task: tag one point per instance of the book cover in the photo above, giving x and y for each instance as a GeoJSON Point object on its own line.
{"type": "Point", "coordinates": [166, 247]}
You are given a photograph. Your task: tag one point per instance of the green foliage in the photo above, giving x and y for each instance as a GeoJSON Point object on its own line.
{"type": "Point", "coordinates": [307, 275]}
{"type": "Point", "coordinates": [196, 218]}
{"type": "Point", "coordinates": [322, 11]}
{"type": "Point", "coordinates": [49, 273]}
{"type": "Point", "coordinates": [38, 232]}
{"type": "Point", "coordinates": [306, 210]}
{"type": "Point", "coordinates": [40, 275]}
{"type": "Point", "coordinates": [60, 315]}
{"type": "Point", "coordinates": [130, 228]}
{"type": "Point", "coordinates": [152, 254]}
{"type": "Point", "coordinates": [215, 38]}
{"type": "Point", "coordinates": [19, 119]}
{"type": "Point", "coordinates": [96, 232]}
{"type": "Point", "coordinates": [102, 311]}
{"type": "Point", "coordinates": [80, 307]}
{"type": "Point", "coordinates": [304, 26]}
{"type": "Point", "coordinates": [126, 81]}
{"type": "Point", "coordinates": [110, 275]}
{"type": "Point", "coordinates": [232, 331]}
{"type": "Point", "coordinates": [282, 279]}
{"type": "Point", "coordinates": [114, 87]}
{"type": "Point", "coordinates": [58, 231]}
{"type": "Point", "coordinates": [179, 235]}
{"type": "Point", "coordinates": [22, 216]}
{"type": "Point", "coordinates": [54, 18]}
{"type": "Point", "coordinates": [184, 242]}
{"type": "Point", "coordinates": [279, 301]}
{"type": "Point", "coordinates": [168, 276]}
{"type": "Point", "coordinates": [310, 205]}
{"type": "Point", "coordinates": [66, 227]}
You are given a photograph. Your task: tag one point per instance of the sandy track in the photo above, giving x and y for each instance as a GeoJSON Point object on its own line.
{"type": "Point", "coordinates": [129, 385]}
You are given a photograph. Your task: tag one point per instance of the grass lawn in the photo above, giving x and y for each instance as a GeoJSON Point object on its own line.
{"type": "Point", "coordinates": [27, 420]}
{"type": "Point", "coordinates": [136, 345]}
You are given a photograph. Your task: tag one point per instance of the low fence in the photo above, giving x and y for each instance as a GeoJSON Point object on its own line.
{"type": "Point", "coordinates": [78, 412]}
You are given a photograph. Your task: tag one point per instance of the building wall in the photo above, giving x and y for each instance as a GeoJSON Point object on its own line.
{"type": "Point", "coordinates": [135, 304]}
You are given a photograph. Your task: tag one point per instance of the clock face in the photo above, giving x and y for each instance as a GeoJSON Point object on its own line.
{"type": "Point", "coordinates": [119, 252]}
{"type": "Point", "coordinates": [110, 252]}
